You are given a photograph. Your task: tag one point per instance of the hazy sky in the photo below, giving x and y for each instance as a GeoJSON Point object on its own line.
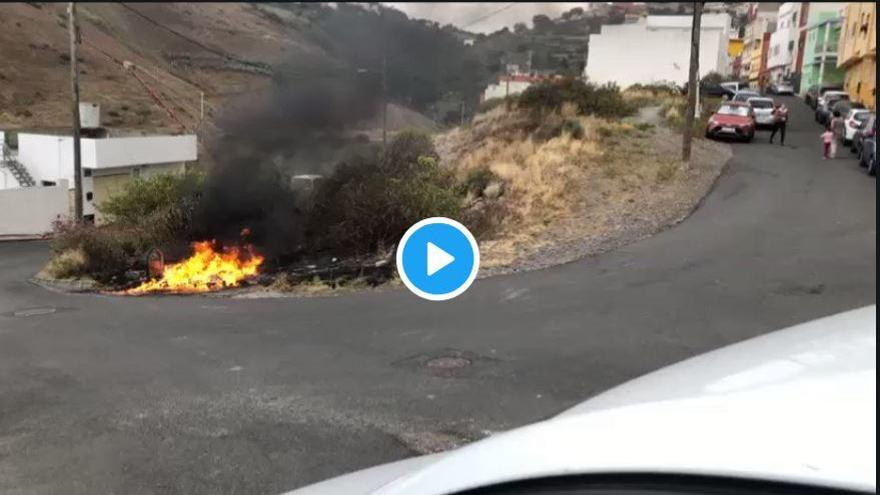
{"type": "Point", "coordinates": [467, 15]}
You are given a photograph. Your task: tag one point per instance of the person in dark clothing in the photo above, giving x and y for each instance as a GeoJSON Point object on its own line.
{"type": "Point", "coordinates": [780, 120]}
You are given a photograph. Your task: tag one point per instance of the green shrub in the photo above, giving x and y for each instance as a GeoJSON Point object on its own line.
{"type": "Point", "coordinates": [601, 101]}
{"type": "Point", "coordinates": [370, 201]}
{"type": "Point", "coordinates": [574, 128]}
{"type": "Point", "coordinates": [144, 197]}
{"type": "Point", "coordinates": [476, 181]}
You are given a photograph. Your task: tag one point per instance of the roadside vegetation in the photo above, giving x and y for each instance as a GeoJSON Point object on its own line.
{"type": "Point", "coordinates": [565, 168]}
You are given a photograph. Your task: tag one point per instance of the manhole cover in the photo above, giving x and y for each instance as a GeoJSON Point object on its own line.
{"type": "Point", "coordinates": [22, 313]}
{"type": "Point", "coordinates": [448, 362]}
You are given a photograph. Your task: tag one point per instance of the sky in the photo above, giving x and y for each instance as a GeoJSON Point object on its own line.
{"type": "Point", "coordinates": [468, 15]}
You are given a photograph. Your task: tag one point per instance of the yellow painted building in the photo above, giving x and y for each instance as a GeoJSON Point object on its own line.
{"type": "Point", "coordinates": [857, 52]}
{"type": "Point", "coordinates": [734, 47]}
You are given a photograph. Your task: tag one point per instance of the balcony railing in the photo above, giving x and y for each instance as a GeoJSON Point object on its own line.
{"type": "Point", "coordinates": [819, 47]}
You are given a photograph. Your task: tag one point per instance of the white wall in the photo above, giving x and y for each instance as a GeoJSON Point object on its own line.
{"type": "Point", "coordinates": [49, 157]}
{"type": "Point", "coordinates": [31, 210]}
{"type": "Point", "coordinates": [128, 151]}
{"type": "Point", "coordinates": [656, 49]}
{"type": "Point", "coordinates": [500, 90]}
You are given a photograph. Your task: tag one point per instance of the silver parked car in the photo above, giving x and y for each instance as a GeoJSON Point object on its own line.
{"type": "Point", "coordinates": [763, 108]}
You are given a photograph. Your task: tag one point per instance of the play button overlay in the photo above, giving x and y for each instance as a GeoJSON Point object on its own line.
{"type": "Point", "coordinates": [438, 258]}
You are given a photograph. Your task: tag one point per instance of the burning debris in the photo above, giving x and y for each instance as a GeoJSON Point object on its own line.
{"type": "Point", "coordinates": [206, 270]}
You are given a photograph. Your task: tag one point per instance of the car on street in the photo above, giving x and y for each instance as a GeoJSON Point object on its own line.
{"type": "Point", "coordinates": [731, 86]}
{"type": "Point", "coordinates": [732, 120]}
{"type": "Point", "coordinates": [743, 95]}
{"type": "Point", "coordinates": [826, 102]}
{"type": "Point", "coordinates": [716, 89]}
{"type": "Point", "coordinates": [867, 128]}
{"type": "Point", "coordinates": [868, 150]}
{"type": "Point", "coordinates": [781, 88]}
{"type": "Point", "coordinates": [851, 122]}
{"type": "Point", "coordinates": [811, 97]}
{"type": "Point", "coordinates": [763, 110]}
{"type": "Point", "coordinates": [793, 411]}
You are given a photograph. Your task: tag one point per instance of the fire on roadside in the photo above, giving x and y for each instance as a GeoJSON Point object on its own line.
{"type": "Point", "coordinates": [208, 269]}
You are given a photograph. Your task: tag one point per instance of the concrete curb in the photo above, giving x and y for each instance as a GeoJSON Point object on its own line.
{"type": "Point", "coordinates": [68, 286]}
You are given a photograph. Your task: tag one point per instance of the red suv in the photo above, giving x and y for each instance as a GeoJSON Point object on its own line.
{"type": "Point", "coordinates": [732, 120]}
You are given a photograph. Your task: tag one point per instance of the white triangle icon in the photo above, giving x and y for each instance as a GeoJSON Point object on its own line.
{"type": "Point", "coordinates": [437, 259]}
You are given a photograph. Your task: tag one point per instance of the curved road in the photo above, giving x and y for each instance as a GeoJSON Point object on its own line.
{"type": "Point", "coordinates": [210, 395]}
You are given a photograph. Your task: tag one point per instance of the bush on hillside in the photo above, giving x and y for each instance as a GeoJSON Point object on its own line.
{"type": "Point", "coordinates": [148, 213]}
{"type": "Point", "coordinates": [370, 201]}
{"type": "Point", "coordinates": [602, 101]}
{"type": "Point", "coordinates": [169, 194]}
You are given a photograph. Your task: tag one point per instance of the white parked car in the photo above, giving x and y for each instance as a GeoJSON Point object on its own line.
{"type": "Point", "coordinates": [789, 412]}
{"type": "Point", "coordinates": [763, 108]}
{"type": "Point", "coordinates": [851, 123]}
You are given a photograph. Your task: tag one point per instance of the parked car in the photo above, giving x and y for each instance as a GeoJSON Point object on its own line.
{"type": "Point", "coordinates": [823, 109]}
{"type": "Point", "coordinates": [781, 88]}
{"type": "Point", "coordinates": [851, 123]}
{"type": "Point", "coordinates": [743, 95]}
{"type": "Point", "coordinates": [732, 86]}
{"type": "Point", "coordinates": [868, 150]}
{"type": "Point", "coordinates": [867, 128]}
{"type": "Point", "coordinates": [716, 89]}
{"type": "Point", "coordinates": [791, 412]}
{"type": "Point", "coordinates": [762, 107]}
{"type": "Point", "coordinates": [811, 97]}
{"type": "Point", "coordinates": [732, 120]}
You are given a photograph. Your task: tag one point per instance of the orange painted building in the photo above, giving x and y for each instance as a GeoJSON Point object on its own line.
{"type": "Point", "coordinates": [857, 52]}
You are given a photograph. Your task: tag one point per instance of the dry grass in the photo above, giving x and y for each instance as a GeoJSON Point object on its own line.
{"type": "Point", "coordinates": [564, 189]}
{"type": "Point", "coordinates": [68, 264]}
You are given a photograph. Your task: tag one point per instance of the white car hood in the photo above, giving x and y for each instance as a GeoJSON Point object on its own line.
{"type": "Point", "coordinates": [797, 405]}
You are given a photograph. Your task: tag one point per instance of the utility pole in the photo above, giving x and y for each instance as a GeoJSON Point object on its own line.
{"type": "Point", "coordinates": [384, 101]}
{"type": "Point", "coordinates": [693, 85]}
{"type": "Point", "coordinates": [74, 86]}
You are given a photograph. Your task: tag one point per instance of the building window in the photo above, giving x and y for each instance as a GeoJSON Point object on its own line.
{"type": "Point", "coordinates": [89, 219]}
{"type": "Point", "coordinates": [87, 172]}
{"type": "Point", "coordinates": [89, 196]}
{"type": "Point", "coordinates": [47, 183]}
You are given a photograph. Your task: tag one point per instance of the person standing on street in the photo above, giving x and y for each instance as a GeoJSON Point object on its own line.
{"type": "Point", "coordinates": [836, 125]}
{"type": "Point", "coordinates": [827, 140]}
{"type": "Point", "coordinates": [780, 120]}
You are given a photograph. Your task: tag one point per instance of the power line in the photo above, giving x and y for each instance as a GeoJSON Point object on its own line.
{"type": "Point", "coordinates": [490, 14]}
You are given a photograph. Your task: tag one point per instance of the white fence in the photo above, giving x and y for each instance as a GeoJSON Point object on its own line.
{"type": "Point", "coordinates": [31, 210]}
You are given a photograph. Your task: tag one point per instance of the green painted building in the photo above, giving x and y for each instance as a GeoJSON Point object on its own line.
{"type": "Point", "coordinates": [820, 52]}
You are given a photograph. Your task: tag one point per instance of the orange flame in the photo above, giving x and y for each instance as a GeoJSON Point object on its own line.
{"type": "Point", "coordinates": [205, 270]}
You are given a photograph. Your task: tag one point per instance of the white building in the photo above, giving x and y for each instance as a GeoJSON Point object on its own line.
{"type": "Point", "coordinates": [107, 163]}
{"type": "Point", "coordinates": [509, 85]}
{"type": "Point", "coordinates": [657, 49]}
{"type": "Point", "coordinates": [782, 52]}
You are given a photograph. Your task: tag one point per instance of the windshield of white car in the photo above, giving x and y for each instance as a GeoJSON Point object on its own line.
{"type": "Point", "coordinates": [733, 110]}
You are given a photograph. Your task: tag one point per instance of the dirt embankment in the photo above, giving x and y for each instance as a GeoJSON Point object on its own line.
{"type": "Point", "coordinates": [567, 197]}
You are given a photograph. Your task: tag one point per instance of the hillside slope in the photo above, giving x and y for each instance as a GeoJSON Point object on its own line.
{"type": "Point", "coordinates": [220, 49]}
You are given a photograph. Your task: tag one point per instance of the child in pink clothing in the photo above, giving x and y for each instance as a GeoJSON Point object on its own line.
{"type": "Point", "coordinates": [827, 139]}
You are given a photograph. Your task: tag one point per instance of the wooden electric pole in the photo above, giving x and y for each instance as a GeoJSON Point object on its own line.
{"type": "Point", "coordinates": [693, 85]}
{"type": "Point", "coordinates": [74, 87]}
{"type": "Point", "coordinates": [384, 100]}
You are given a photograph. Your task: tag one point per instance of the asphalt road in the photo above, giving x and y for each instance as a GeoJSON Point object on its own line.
{"type": "Point", "coordinates": [213, 395]}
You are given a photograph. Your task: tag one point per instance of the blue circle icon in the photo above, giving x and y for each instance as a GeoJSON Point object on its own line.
{"type": "Point", "coordinates": [438, 258]}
